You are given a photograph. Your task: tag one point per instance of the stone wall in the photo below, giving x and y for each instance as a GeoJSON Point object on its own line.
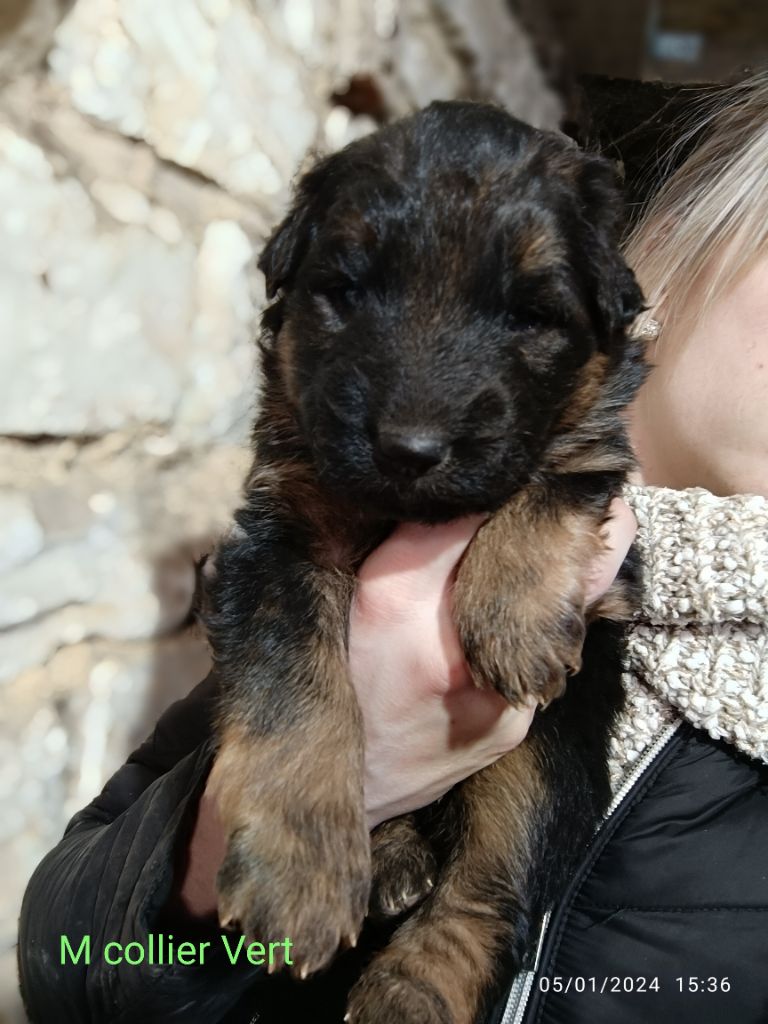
{"type": "Point", "coordinates": [145, 150]}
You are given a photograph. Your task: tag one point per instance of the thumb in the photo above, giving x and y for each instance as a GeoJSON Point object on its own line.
{"type": "Point", "coordinates": [415, 563]}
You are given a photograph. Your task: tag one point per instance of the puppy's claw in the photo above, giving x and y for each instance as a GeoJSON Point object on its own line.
{"type": "Point", "coordinates": [348, 941]}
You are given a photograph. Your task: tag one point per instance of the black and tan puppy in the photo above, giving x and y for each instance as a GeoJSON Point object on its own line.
{"type": "Point", "coordinates": [448, 335]}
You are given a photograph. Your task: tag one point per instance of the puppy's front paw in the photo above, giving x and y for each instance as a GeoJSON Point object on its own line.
{"type": "Point", "coordinates": [297, 864]}
{"type": "Point", "coordinates": [519, 597]}
{"type": "Point", "coordinates": [524, 649]}
{"type": "Point", "coordinates": [318, 903]}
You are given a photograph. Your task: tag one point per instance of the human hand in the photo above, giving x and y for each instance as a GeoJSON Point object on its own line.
{"type": "Point", "coordinates": [427, 725]}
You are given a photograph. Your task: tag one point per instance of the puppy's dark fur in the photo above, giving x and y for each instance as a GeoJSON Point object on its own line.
{"type": "Point", "coordinates": [448, 335]}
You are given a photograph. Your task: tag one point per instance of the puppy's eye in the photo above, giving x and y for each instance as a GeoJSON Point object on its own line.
{"type": "Point", "coordinates": [340, 296]}
{"type": "Point", "coordinates": [519, 320]}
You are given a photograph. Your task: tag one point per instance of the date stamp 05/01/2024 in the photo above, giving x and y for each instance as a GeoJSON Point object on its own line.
{"type": "Point", "coordinates": [692, 984]}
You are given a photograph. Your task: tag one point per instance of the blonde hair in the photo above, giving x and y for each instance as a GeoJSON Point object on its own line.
{"type": "Point", "coordinates": [709, 222]}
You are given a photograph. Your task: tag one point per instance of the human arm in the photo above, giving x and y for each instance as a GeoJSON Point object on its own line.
{"type": "Point", "coordinates": [108, 878]}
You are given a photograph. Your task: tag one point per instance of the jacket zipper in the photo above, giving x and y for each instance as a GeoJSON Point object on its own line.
{"type": "Point", "coordinates": [520, 992]}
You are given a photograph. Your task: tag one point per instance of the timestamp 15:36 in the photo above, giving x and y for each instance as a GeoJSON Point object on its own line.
{"type": "Point", "coordinates": [695, 984]}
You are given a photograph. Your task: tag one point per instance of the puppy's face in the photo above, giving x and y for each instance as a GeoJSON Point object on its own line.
{"type": "Point", "coordinates": [446, 287]}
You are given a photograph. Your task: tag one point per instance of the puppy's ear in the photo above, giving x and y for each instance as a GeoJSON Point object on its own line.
{"type": "Point", "coordinates": [282, 254]}
{"type": "Point", "coordinates": [617, 296]}
{"type": "Point", "coordinates": [290, 240]}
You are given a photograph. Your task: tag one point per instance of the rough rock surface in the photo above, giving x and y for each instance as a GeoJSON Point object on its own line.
{"type": "Point", "coordinates": [141, 166]}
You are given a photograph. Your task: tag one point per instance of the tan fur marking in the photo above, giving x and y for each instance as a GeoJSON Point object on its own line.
{"type": "Point", "coordinates": [588, 390]}
{"type": "Point", "coordinates": [519, 596]}
{"type": "Point", "coordinates": [340, 532]}
{"type": "Point", "coordinates": [539, 250]}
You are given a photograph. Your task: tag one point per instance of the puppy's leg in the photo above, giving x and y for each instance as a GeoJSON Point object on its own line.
{"type": "Point", "coordinates": [403, 867]}
{"type": "Point", "coordinates": [519, 595]}
{"type": "Point", "coordinates": [441, 962]}
{"type": "Point", "coordinates": [288, 771]}
{"type": "Point", "coordinates": [515, 832]}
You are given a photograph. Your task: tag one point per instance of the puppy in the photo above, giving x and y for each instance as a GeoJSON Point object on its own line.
{"type": "Point", "coordinates": [448, 335]}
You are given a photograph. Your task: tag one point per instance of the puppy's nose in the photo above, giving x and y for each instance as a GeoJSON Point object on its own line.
{"type": "Point", "coordinates": [409, 452]}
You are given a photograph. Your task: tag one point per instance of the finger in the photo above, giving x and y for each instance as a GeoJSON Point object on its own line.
{"type": "Point", "coordinates": [618, 531]}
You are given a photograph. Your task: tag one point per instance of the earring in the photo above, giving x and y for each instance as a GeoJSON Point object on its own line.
{"type": "Point", "coordinates": [650, 330]}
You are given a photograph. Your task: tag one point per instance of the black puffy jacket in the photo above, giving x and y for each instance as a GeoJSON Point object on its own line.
{"type": "Point", "coordinates": [666, 921]}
